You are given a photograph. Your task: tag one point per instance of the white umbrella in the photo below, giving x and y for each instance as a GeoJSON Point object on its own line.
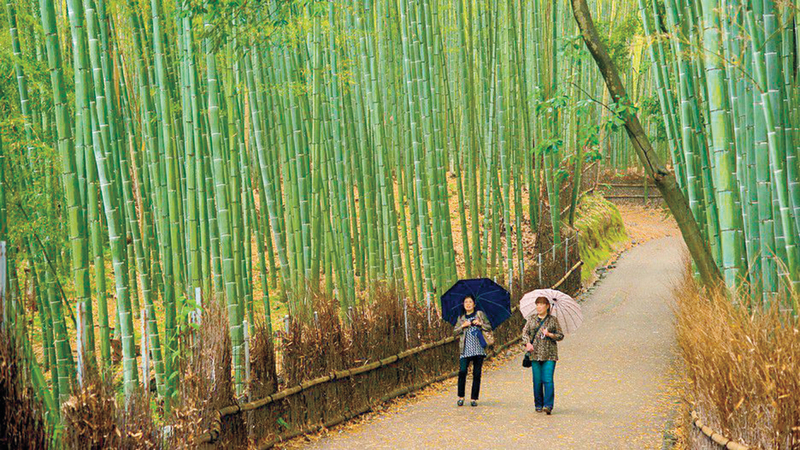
{"type": "Point", "coordinates": [562, 306]}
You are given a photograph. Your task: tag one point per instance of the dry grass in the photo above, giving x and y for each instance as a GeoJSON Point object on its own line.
{"type": "Point", "coordinates": [90, 418]}
{"type": "Point", "coordinates": [206, 384]}
{"type": "Point", "coordinates": [22, 423]}
{"type": "Point", "coordinates": [93, 419]}
{"type": "Point", "coordinates": [741, 367]}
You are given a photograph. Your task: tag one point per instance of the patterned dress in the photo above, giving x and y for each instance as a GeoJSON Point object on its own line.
{"type": "Point", "coordinates": [472, 345]}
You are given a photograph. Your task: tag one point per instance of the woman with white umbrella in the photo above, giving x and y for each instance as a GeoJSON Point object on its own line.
{"type": "Point", "coordinates": [550, 314]}
{"type": "Point", "coordinates": [540, 334]}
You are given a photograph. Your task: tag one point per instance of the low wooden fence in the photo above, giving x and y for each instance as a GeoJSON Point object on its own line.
{"type": "Point", "coordinates": [336, 396]}
{"type": "Point", "coordinates": [716, 438]}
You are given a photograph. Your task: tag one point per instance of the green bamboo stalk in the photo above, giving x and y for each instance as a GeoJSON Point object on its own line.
{"type": "Point", "coordinates": [776, 155]}
{"type": "Point", "coordinates": [222, 197]}
{"type": "Point", "coordinates": [725, 182]}
{"type": "Point", "coordinates": [167, 204]}
{"type": "Point", "coordinates": [76, 221]}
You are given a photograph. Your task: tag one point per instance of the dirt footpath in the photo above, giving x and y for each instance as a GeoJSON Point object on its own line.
{"type": "Point", "coordinates": [613, 381]}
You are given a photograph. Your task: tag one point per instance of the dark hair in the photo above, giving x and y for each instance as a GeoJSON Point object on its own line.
{"type": "Point", "coordinates": [545, 301]}
{"type": "Point", "coordinates": [474, 303]}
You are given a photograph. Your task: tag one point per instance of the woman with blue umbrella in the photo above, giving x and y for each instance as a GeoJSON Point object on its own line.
{"type": "Point", "coordinates": [473, 307]}
{"type": "Point", "coordinates": [469, 327]}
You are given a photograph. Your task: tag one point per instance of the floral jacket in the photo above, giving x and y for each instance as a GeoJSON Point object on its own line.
{"type": "Point", "coordinates": [544, 348]}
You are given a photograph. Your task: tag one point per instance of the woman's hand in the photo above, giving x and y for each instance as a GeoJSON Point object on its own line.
{"type": "Point", "coordinates": [477, 322]}
{"type": "Point", "coordinates": [466, 324]}
{"type": "Point", "coordinates": [546, 333]}
{"type": "Point", "coordinates": [528, 347]}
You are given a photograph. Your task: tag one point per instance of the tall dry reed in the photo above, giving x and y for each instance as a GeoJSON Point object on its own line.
{"type": "Point", "coordinates": [22, 423]}
{"type": "Point", "coordinates": [95, 419]}
{"type": "Point", "coordinates": [206, 384]}
{"type": "Point", "coordinates": [742, 368]}
{"type": "Point", "coordinates": [89, 418]}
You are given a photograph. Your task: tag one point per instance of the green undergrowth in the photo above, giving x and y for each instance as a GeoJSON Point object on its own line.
{"type": "Point", "coordinates": [601, 229]}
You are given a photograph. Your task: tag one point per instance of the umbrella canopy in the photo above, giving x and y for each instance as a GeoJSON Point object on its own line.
{"type": "Point", "coordinates": [490, 297]}
{"type": "Point", "coordinates": [562, 306]}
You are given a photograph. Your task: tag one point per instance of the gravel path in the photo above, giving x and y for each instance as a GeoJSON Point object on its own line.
{"type": "Point", "coordinates": [612, 381]}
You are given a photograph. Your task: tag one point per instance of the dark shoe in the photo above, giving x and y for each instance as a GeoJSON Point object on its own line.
{"type": "Point", "coordinates": [548, 410]}
{"type": "Point", "coordinates": [474, 403]}
{"type": "Point", "coordinates": [461, 402]}
{"type": "Point", "coordinates": [538, 409]}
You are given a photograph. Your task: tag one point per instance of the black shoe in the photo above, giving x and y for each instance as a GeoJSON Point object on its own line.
{"type": "Point", "coordinates": [474, 403]}
{"type": "Point", "coordinates": [548, 410]}
{"type": "Point", "coordinates": [461, 402]}
{"type": "Point", "coordinates": [538, 409]}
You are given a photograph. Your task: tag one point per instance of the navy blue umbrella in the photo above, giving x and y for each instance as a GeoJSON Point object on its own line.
{"type": "Point", "coordinates": [490, 297]}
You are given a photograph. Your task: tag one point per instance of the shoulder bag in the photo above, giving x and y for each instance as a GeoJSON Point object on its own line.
{"type": "Point", "coordinates": [526, 360]}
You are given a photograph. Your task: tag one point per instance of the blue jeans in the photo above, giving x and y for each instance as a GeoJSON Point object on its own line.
{"type": "Point", "coordinates": [543, 390]}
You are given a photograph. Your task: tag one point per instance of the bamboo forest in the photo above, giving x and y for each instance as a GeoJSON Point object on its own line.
{"type": "Point", "coordinates": [238, 224]}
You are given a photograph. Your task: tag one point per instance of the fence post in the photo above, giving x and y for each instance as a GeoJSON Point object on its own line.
{"type": "Point", "coordinates": [428, 306]}
{"type": "Point", "coordinates": [539, 256]}
{"type": "Point", "coordinates": [198, 300]}
{"type": "Point", "coordinates": [316, 319]}
{"type": "Point", "coordinates": [145, 354]}
{"type": "Point", "coordinates": [405, 316]}
{"type": "Point", "coordinates": [246, 354]}
{"type": "Point", "coordinates": [3, 277]}
{"type": "Point", "coordinates": [286, 323]}
{"type": "Point", "coordinates": [79, 333]}
{"type": "Point", "coordinates": [247, 375]}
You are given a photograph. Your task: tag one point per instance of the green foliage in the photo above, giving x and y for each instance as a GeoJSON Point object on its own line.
{"type": "Point", "coordinates": [553, 105]}
{"type": "Point", "coordinates": [561, 174]}
{"type": "Point", "coordinates": [257, 19]}
{"type": "Point", "coordinates": [282, 423]}
{"type": "Point", "coordinates": [621, 112]}
{"type": "Point", "coordinates": [592, 131]}
{"type": "Point", "coordinates": [617, 38]}
{"type": "Point", "coordinates": [35, 71]}
{"type": "Point", "coordinates": [549, 146]}
{"type": "Point", "coordinates": [651, 109]}
{"type": "Point", "coordinates": [32, 192]}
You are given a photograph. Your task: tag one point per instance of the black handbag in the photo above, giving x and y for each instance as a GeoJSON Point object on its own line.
{"type": "Point", "coordinates": [526, 360]}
